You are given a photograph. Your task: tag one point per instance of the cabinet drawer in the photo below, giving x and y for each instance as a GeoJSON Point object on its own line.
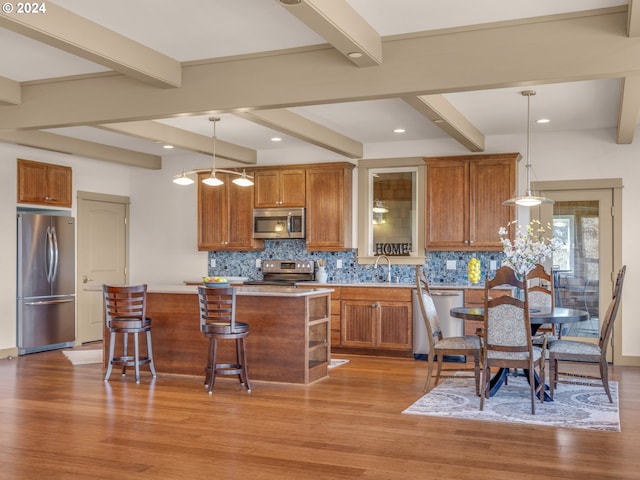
{"type": "Point", "coordinates": [377, 293]}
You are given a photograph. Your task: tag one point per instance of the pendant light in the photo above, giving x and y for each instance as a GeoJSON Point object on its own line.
{"type": "Point", "coordinates": [528, 200]}
{"type": "Point", "coordinates": [212, 180]}
{"type": "Point", "coordinates": [183, 179]}
{"type": "Point", "coordinates": [242, 180]}
{"type": "Point", "coordinates": [378, 207]}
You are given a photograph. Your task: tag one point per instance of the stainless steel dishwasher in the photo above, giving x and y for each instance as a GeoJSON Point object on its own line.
{"type": "Point", "coordinates": [444, 301]}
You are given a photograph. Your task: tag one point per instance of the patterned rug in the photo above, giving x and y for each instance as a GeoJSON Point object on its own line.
{"type": "Point", "coordinates": [83, 357]}
{"type": "Point", "coordinates": [574, 406]}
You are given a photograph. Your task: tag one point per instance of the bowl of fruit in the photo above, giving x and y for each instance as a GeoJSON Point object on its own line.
{"type": "Point", "coordinates": [215, 282]}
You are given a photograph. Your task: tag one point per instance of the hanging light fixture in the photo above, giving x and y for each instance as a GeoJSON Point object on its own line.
{"type": "Point", "coordinates": [212, 180]}
{"type": "Point", "coordinates": [243, 179]}
{"type": "Point", "coordinates": [378, 207]}
{"type": "Point", "coordinates": [528, 200]}
{"type": "Point", "coordinates": [183, 179]}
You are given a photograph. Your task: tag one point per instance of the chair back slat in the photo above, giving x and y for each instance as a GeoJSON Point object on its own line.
{"type": "Point", "coordinates": [612, 309]}
{"type": "Point", "coordinates": [217, 305]}
{"type": "Point", "coordinates": [428, 308]}
{"type": "Point", "coordinates": [125, 302]}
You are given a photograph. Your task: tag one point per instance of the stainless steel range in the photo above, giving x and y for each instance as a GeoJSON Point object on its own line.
{"type": "Point", "coordinates": [285, 272]}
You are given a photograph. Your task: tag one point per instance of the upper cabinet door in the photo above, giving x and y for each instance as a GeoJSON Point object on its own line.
{"type": "Point", "coordinates": [491, 183]}
{"type": "Point", "coordinates": [44, 184]}
{"type": "Point", "coordinates": [225, 216]}
{"type": "Point", "coordinates": [280, 188]}
{"type": "Point", "coordinates": [464, 200]}
{"type": "Point", "coordinates": [329, 219]}
{"type": "Point", "coordinates": [447, 204]}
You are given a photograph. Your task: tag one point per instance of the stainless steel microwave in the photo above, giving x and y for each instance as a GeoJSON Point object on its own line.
{"type": "Point", "coordinates": [278, 223]}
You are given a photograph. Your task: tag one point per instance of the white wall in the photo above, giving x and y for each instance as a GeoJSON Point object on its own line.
{"type": "Point", "coordinates": [163, 215]}
{"type": "Point", "coordinates": [163, 228]}
{"type": "Point", "coordinates": [88, 175]}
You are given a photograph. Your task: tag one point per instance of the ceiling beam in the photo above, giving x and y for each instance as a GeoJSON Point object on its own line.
{"type": "Point", "coordinates": [73, 146]}
{"type": "Point", "coordinates": [338, 23]}
{"type": "Point", "coordinates": [9, 92]}
{"type": "Point", "coordinates": [629, 109]}
{"type": "Point", "coordinates": [74, 34]}
{"type": "Point", "coordinates": [159, 132]}
{"type": "Point", "coordinates": [306, 130]}
{"type": "Point", "coordinates": [440, 111]}
{"type": "Point", "coordinates": [633, 28]}
{"type": "Point", "coordinates": [565, 50]}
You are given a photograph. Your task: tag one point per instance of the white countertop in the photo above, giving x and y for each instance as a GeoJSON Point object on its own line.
{"type": "Point", "coordinates": [436, 286]}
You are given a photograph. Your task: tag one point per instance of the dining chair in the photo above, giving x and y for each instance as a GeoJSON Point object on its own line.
{"type": "Point", "coordinates": [217, 322]}
{"type": "Point", "coordinates": [542, 297]}
{"type": "Point", "coordinates": [125, 313]}
{"type": "Point", "coordinates": [579, 351]}
{"type": "Point", "coordinates": [439, 346]}
{"type": "Point", "coordinates": [506, 341]}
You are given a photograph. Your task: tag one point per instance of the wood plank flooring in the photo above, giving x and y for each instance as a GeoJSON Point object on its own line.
{"type": "Point", "coordinates": [58, 421]}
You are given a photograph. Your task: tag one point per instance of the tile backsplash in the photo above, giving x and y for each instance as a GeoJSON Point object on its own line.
{"type": "Point", "coordinates": [243, 264]}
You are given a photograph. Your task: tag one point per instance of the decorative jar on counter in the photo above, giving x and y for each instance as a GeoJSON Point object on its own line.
{"type": "Point", "coordinates": [321, 275]}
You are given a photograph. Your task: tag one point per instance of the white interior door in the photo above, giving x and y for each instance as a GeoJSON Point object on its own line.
{"type": "Point", "coordinates": [102, 258]}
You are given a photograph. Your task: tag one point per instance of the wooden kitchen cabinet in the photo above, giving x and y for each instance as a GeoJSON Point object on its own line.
{"type": "Point", "coordinates": [329, 206]}
{"type": "Point", "coordinates": [282, 187]}
{"type": "Point", "coordinates": [44, 184]}
{"type": "Point", "coordinates": [464, 200]}
{"type": "Point", "coordinates": [225, 216]}
{"type": "Point", "coordinates": [376, 319]}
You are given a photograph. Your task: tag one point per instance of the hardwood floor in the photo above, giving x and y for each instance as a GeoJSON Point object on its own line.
{"type": "Point", "coordinates": [64, 422]}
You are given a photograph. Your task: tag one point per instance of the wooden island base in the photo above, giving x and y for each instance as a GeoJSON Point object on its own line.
{"type": "Point", "coordinates": [288, 335]}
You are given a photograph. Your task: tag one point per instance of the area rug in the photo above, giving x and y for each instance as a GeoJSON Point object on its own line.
{"type": "Point", "coordinates": [336, 362]}
{"type": "Point", "coordinates": [83, 357]}
{"type": "Point", "coordinates": [574, 406]}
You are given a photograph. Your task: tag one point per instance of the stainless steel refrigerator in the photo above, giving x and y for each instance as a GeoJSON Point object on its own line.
{"type": "Point", "coordinates": [46, 282]}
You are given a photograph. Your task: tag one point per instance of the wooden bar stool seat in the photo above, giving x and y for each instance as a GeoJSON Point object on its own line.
{"type": "Point", "coordinates": [125, 312]}
{"type": "Point", "coordinates": [218, 321]}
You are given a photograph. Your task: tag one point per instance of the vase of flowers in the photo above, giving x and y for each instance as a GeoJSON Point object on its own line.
{"type": "Point", "coordinates": [529, 247]}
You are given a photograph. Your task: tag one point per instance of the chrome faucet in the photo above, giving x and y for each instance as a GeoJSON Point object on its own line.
{"type": "Point", "coordinates": [388, 266]}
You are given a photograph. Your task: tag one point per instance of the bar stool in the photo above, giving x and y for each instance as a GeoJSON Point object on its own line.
{"type": "Point", "coordinates": [125, 311]}
{"type": "Point", "coordinates": [218, 321]}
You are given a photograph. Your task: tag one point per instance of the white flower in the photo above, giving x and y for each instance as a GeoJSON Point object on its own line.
{"type": "Point", "coordinates": [529, 246]}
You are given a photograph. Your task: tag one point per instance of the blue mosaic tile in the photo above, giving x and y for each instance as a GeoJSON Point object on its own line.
{"type": "Point", "coordinates": [243, 264]}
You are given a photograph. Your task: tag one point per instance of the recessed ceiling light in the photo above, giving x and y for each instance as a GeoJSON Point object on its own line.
{"type": "Point", "coordinates": [355, 54]}
{"type": "Point", "coordinates": [290, 2]}
{"type": "Point", "coordinates": [543, 120]}
{"type": "Point", "coordinates": [168, 147]}
{"type": "Point", "coordinates": [399, 130]}
{"type": "Point", "coordinates": [276, 139]}
{"type": "Point", "coordinates": [438, 120]}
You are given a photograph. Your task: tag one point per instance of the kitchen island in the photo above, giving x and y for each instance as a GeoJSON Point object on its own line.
{"type": "Point", "coordinates": [288, 332]}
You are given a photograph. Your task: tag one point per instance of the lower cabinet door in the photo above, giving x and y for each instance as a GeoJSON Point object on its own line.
{"type": "Point", "coordinates": [358, 324]}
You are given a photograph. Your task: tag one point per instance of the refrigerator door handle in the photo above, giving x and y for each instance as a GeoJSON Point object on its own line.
{"type": "Point", "coordinates": [50, 302]}
{"type": "Point", "coordinates": [48, 254]}
{"type": "Point", "coordinates": [56, 253]}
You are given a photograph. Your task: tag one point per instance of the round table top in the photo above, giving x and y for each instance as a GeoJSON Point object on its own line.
{"type": "Point", "coordinates": [557, 315]}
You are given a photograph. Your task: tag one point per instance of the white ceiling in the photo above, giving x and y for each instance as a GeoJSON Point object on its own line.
{"type": "Point", "coordinates": [192, 30]}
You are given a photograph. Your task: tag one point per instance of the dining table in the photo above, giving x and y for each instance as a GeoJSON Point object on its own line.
{"type": "Point", "coordinates": [537, 317]}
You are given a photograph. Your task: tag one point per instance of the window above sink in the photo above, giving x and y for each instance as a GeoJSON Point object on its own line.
{"type": "Point", "coordinates": [391, 210]}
